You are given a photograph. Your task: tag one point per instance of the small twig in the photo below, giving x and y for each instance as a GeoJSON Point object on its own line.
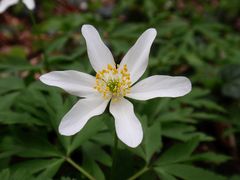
{"type": "Point", "coordinates": [79, 168]}
{"type": "Point", "coordinates": [139, 173]}
{"type": "Point", "coordinates": [114, 156]}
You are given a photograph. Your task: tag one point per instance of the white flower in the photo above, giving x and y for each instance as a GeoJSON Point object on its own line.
{"type": "Point", "coordinates": [4, 4]}
{"type": "Point", "coordinates": [112, 83]}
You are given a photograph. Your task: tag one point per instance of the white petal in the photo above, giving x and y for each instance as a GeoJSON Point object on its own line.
{"type": "Point", "coordinates": [128, 127]}
{"type": "Point", "coordinates": [29, 3]}
{"type": "Point", "coordinates": [160, 86]}
{"type": "Point", "coordinates": [98, 53]}
{"type": "Point", "coordinates": [80, 113]}
{"type": "Point", "coordinates": [137, 57]}
{"type": "Point", "coordinates": [74, 82]}
{"type": "Point", "coordinates": [4, 4]}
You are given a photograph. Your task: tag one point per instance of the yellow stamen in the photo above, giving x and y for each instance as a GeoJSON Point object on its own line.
{"type": "Point", "coordinates": [113, 82]}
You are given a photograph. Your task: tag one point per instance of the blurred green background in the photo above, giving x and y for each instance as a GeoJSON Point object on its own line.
{"type": "Point", "coordinates": [194, 137]}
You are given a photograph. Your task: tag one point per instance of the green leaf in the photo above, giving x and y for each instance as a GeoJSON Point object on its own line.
{"type": "Point", "coordinates": [183, 132]}
{"type": "Point", "coordinates": [199, 98]}
{"type": "Point", "coordinates": [189, 172]}
{"type": "Point", "coordinates": [208, 116]}
{"type": "Point", "coordinates": [178, 153]}
{"type": "Point", "coordinates": [91, 165]}
{"type": "Point", "coordinates": [16, 60]}
{"type": "Point", "coordinates": [231, 77]}
{"type": "Point", "coordinates": [50, 108]}
{"type": "Point", "coordinates": [37, 147]}
{"type": "Point", "coordinates": [152, 140]}
{"type": "Point", "coordinates": [163, 175]}
{"type": "Point", "coordinates": [57, 107]}
{"type": "Point", "coordinates": [33, 144]}
{"type": "Point", "coordinates": [210, 157]}
{"type": "Point", "coordinates": [89, 130]}
{"type": "Point", "coordinates": [67, 178]}
{"type": "Point", "coordinates": [11, 84]}
{"type": "Point", "coordinates": [5, 174]}
{"type": "Point", "coordinates": [19, 174]}
{"type": "Point", "coordinates": [206, 103]}
{"type": "Point", "coordinates": [52, 169]}
{"type": "Point", "coordinates": [10, 117]}
{"type": "Point", "coordinates": [235, 177]}
{"type": "Point", "coordinates": [63, 23]}
{"type": "Point", "coordinates": [103, 138]}
{"type": "Point", "coordinates": [96, 153]}
{"type": "Point", "coordinates": [8, 100]}
{"type": "Point", "coordinates": [57, 44]}
{"type": "Point", "coordinates": [46, 167]}
{"type": "Point", "coordinates": [182, 115]}
{"type": "Point", "coordinates": [194, 60]}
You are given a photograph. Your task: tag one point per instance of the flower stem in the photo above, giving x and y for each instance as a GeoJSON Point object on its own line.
{"type": "Point", "coordinates": [79, 168]}
{"type": "Point", "coordinates": [32, 19]}
{"type": "Point", "coordinates": [139, 173]}
{"type": "Point", "coordinates": [114, 157]}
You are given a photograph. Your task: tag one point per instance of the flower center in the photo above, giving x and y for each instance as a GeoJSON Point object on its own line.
{"type": "Point", "coordinates": [113, 85]}
{"type": "Point", "coordinates": [113, 82]}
